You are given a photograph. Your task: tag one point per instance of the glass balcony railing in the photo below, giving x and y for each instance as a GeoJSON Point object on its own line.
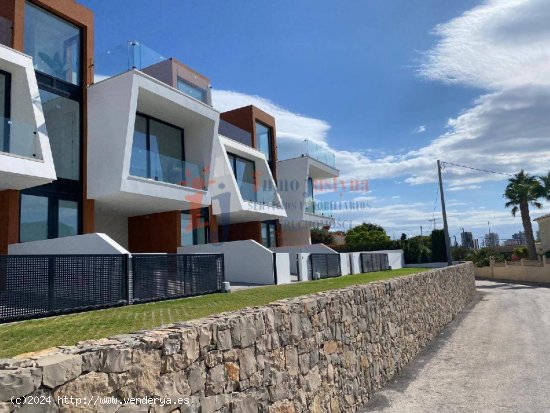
{"type": "Point", "coordinates": [234, 132]}
{"type": "Point", "coordinates": [259, 194]}
{"type": "Point", "coordinates": [287, 150]}
{"type": "Point", "coordinates": [162, 168]}
{"type": "Point", "coordinates": [19, 138]}
{"type": "Point", "coordinates": [124, 57]}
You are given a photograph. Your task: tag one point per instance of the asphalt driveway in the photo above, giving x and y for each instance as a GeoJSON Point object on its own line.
{"type": "Point", "coordinates": [494, 357]}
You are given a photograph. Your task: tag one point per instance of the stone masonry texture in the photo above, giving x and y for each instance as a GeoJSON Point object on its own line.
{"type": "Point", "coordinates": [327, 352]}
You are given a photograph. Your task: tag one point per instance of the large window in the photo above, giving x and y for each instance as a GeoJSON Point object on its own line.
{"type": "Point", "coordinates": [62, 116]}
{"type": "Point", "coordinates": [5, 87]}
{"type": "Point", "coordinates": [53, 43]}
{"type": "Point", "coordinates": [34, 218]}
{"type": "Point", "coordinates": [269, 234]}
{"type": "Point", "coordinates": [195, 227]}
{"type": "Point", "coordinates": [244, 171]}
{"type": "Point", "coordinates": [263, 139]}
{"type": "Point", "coordinates": [46, 216]}
{"type": "Point", "coordinates": [192, 90]}
{"type": "Point", "coordinates": [158, 151]}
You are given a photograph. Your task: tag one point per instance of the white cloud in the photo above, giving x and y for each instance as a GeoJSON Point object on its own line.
{"type": "Point", "coordinates": [420, 129]}
{"type": "Point", "coordinates": [499, 44]}
{"type": "Point", "coordinates": [463, 188]}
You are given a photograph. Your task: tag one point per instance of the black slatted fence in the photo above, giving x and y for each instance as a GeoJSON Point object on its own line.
{"type": "Point", "coordinates": [33, 286]}
{"type": "Point", "coordinates": [371, 262]}
{"type": "Point", "coordinates": [327, 265]}
{"type": "Point", "coordinates": [38, 285]}
{"type": "Point", "coordinates": [163, 276]}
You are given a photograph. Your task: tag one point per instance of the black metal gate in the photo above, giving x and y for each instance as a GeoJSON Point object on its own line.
{"type": "Point", "coordinates": [163, 276]}
{"type": "Point", "coordinates": [327, 265]}
{"type": "Point", "coordinates": [371, 262]}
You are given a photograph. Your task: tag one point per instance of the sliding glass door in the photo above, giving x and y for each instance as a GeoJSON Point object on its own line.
{"type": "Point", "coordinates": [158, 151]}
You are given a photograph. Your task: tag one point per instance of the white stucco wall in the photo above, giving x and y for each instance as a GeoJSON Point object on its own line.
{"type": "Point", "coordinates": [293, 252]}
{"type": "Point", "coordinates": [283, 268]}
{"type": "Point", "coordinates": [355, 262]}
{"type": "Point", "coordinates": [245, 261]}
{"type": "Point", "coordinates": [96, 243]}
{"type": "Point", "coordinates": [345, 263]}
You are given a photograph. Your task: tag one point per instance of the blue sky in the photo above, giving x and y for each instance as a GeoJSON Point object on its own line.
{"type": "Point", "coordinates": [389, 87]}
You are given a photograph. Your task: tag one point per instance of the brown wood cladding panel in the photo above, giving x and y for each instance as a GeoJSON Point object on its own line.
{"type": "Point", "coordinates": [244, 231]}
{"type": "Point", "coordinates": [155, 232]}
{"type": "Point", "coordinates": [9, 219]}
{"type": "Point", "coordinates": [213, 220]}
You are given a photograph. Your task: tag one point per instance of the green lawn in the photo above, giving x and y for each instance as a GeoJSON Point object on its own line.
{"type": "Point", "coordinates": [33, 335]}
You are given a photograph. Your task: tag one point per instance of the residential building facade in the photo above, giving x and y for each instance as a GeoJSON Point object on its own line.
{"type": "Point", "coordinates": [139, 154]}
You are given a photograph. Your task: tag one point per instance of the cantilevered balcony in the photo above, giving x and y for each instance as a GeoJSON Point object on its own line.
{"type": "Point", "coordinates": [149, 146]}
{"type": "Point", "coordinates": [25, 154]}
{"type": "Point", "coordinates": [322, 162]}
{"type": "Point", "coordinates": [241, 185]}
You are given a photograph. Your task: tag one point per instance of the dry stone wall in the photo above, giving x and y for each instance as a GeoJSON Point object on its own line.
{"type": "Point", "coordinates": [326, 352]}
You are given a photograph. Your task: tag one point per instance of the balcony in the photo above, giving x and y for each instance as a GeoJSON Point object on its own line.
{"type": "Point", "coordinates": [254, 198]}
{"type": "Point", "coordinates": [264, 194]}
{"type": "Point", "coordinates": [162, 168]}
{"type": "Point", "coordinates": [25, 155]}
{"type": "Point", "coordinates": [309, 149]}
{"type": "Point", "coordinates": [124, 57]}
{"type": "Point", "coordinates": [128, 176]}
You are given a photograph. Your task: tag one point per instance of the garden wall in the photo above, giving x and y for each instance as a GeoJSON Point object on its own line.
{"type": "Point", "coordinates": [522, 271]}
{"type": "Point", "coordinates": [327, 352]}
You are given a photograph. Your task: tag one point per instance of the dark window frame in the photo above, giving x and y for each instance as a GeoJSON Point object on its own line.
{"type": "Point", "coordinates": [203, 213]}
{"type": "Point", "coordinates": [269, 224]}
{"type": "Point", "coordinates": [148, 119]}
{"type": "Point", "coordinates": [234, 168]}
{"type": "Point", "coordinates": [81, 86]}
{"type": "Point", "coordinates": [271, 161]}
{"type": "Point", "coordinates": [53, 208]}
{"type": "Point", "coordinates": [63, 188]}
{"type": "Point", "coordinates": [7, 109]}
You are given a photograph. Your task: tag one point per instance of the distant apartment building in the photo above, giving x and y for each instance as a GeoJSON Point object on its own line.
{"type": "Point", "coordinates": [492, 240]}
{"type": "Point", "coordinates": [467, 240]}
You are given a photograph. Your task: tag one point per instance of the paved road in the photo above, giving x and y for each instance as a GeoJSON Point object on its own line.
{"type": "Point", "coordinates": [494, 357]}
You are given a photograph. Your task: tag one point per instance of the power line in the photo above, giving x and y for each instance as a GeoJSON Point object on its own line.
{"type": "Point", "coordinates": [477, 169]}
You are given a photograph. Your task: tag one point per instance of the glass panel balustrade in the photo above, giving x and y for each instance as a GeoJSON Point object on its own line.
{"type": "Point", "coordinates": [290, 149]}
{"type": "Point", "coordinates": [19, 138]}
{"type": "Point", "coordinates": [162, 168]}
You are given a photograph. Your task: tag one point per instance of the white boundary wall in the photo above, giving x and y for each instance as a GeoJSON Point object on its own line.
{"type": "Point", "coordinates": [345, 264]}
{"type": "Point", "coordinates": [96, 243]}
{"type": "Point", "coordinates": [245, 261]}
{"type": "Point", "coordinates": [294, 250]}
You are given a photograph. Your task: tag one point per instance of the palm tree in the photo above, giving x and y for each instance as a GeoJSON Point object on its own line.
{"type": "Point", "coordinates": [545, 181]}
{"type": "Point", "coordinates": [524, 190]}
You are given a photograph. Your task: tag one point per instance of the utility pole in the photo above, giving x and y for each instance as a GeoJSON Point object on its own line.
{"type": "Point", "coordinates": [420, 230]}
{"type": "Point", "coordinates": [444, 213]}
